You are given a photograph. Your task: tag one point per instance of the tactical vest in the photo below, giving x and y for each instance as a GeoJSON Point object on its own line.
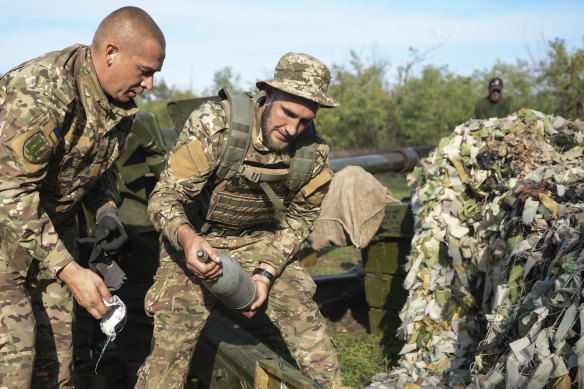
{"type": "Point", "coordinates": [245, 194]}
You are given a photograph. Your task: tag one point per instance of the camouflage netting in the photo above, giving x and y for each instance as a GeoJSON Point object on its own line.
{"type": "Point", "coordinates": [496, 269]}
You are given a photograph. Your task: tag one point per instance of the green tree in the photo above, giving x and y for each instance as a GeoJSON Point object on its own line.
{"type": "Point", "coordinates": [562, 80]}
{"type": "Point", "coordinates": [419, 108]}
{"type": "Point", "coordinates": [362, 119]}
{"type": "Point", "coordinates": [157, 99]}
{"type": "Point", "coordinates": [427, 108]}
{"type": "Point", "coordinates": [224, 78]}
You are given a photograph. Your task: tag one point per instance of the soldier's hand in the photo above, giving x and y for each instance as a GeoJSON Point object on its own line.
{"type": "Point", "coordinates": [191, 243]}
{"type": "Point", "coordinates": [261, 296]}
{"type": "Point", "coordinates": [87, 288]}
{"type": "Point", "coordinates": [262, 285]}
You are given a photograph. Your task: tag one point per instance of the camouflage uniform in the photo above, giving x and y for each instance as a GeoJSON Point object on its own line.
{"type": "Point", "coordinates": [58, 135]}
{"type": "Point", "coordinates": [179, 302]}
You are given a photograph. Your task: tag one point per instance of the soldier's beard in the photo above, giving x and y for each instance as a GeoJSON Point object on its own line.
{"type": "Point", "coordinates": [266, 133]}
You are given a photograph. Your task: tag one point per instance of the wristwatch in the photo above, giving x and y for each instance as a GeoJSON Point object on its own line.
{"type": "Point", "coordinates": [265, 273]}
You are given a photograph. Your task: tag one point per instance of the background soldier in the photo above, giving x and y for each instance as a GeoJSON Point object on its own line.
{"type": "Point", "coordinates": [64, 118]}
{"type": "Point", "coordinates": [493, 105]}
{"type": "Point", "coordinates": [209, 199]}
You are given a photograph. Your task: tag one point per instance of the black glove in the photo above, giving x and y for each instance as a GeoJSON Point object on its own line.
{"type": "Point", "coordinates": [109, 240]}
{"type": "Point", "coordinates": [110, 233]}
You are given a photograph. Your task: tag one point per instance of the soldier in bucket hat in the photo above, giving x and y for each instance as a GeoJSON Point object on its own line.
{"type": "Point", "coordinates": [246, 178]}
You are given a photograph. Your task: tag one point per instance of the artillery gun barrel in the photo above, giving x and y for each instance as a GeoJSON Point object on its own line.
{"type": "Point", "coordinates": [401, 160]}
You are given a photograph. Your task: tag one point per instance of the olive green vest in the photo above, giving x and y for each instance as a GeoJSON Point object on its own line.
{"type": "Point", "coordinates": [244, 194]}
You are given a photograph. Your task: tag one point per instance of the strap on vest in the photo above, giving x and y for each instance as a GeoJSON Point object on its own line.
{"type": "Point", "coordinates": [302, 162]}
{"type": "Point", "coordinates": [263, 179]}
{"type": "Point", "coordinates": [278, 204]}
{"type": "Point", "coordinates": [240, 124]}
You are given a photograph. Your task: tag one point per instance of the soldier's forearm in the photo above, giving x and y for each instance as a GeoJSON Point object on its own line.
{"type": "Point", "coordinates": [185, 235]}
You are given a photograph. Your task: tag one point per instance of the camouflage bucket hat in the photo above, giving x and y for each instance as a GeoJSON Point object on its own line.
{"type": "Point", "coordinates": [304, 76]}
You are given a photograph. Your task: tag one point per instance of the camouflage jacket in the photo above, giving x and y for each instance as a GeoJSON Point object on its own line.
{"type": "Point", "coordinates": [194, 159]}
{"type": "Point", "coordinates": [58, 135]}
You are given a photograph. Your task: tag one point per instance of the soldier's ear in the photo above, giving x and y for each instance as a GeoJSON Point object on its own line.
{"type": "Point", "coordinates": [269, 93]}
{"type": "Point", "coordinates": [111, 50]}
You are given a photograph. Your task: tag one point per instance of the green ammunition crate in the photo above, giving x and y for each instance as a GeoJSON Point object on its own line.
{"type": "Point", "coordinates": [383, 322]}
{"type": "Point", "coordinates": [385, 291]}
{"type": "Point", "coordinates": [387, 255]}
{"type": "Point", "coordinates": [397, 222]}
{"type": "Point", "coordinates": [383, 261]}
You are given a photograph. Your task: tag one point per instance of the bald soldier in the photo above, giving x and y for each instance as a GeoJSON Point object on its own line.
{"type": "Point", "coordinates": [246, 178]}
{"type": "Point", "coordinates": [64, 119]}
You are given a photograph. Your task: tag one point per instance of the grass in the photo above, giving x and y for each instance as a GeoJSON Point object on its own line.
{"type": "Point", "coordinates": [361, 354]}
{"type": "Point", "coordinates": [360, 358]}
{"type": "Point", "coordinates": [334, 260]}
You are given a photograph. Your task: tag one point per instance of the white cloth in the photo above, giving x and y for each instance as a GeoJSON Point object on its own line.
{"type": "Point", "coordinates": [114, 319]}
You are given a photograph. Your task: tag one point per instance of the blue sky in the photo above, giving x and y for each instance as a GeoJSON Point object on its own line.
{"type": "Point", "coordinates": [251, 35]}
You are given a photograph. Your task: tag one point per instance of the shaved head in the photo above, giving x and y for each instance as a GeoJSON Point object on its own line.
{"type": "Point", "coordinates": [127, 49]}
{"type": "Point", "coordinates": [127, 27]}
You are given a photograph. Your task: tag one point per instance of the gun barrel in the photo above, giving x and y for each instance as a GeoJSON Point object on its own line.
{"type": "Point", "coordinates": [401, 160]}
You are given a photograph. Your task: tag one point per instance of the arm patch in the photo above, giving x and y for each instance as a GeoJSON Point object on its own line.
{"type": "Point", "coordinates": [189, 160]}
{"type": "Point", "coordinates": [322, 178]}
{"type": "Point", "coordinates": [35, 146]}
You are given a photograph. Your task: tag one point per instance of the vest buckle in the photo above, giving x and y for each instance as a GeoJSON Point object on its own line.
{"type": "Point", "coordinates": [250, 174]}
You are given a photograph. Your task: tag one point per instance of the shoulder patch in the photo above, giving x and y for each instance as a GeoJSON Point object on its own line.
{"type": "Point", "coordinates": [189, 160]}
{"type": "Point", "coordinates": [322, 178]}
{"type": "Point", "coordinates": [34, 147]}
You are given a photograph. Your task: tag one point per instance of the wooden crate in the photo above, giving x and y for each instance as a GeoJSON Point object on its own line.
{"type": "Point", "coordinates": [387, 255]}
{"type": "Point", "coordinates": [382, 321]}
{"type": "Point", "coordinates": [383, 261]}
{"type": "Point", "coordinates": [397, 222]}
{"type": "Point", "coordinates": [385, 291]}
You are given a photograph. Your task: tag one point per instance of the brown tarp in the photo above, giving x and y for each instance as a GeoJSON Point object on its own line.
{"type": "Point", "coordinates": [352, 210]}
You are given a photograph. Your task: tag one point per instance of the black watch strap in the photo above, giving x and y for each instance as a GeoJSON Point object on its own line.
{"type": "Point", "coordinates": [265, 273]}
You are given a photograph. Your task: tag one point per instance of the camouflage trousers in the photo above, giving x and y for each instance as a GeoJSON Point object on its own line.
{"type": "Point", "coordinates": [181, 305]}
{"type": "Point", "coordinates": [36, 321]}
